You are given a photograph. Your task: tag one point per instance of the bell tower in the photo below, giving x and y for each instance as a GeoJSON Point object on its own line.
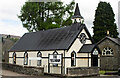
{"type": "Point", "coordinates": [77, 18]}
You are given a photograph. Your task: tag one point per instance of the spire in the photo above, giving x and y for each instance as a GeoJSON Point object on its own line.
{"type": "Point", "coordinates": [77, 12]}
{"type": "Point", "coordinates": [77, 18]}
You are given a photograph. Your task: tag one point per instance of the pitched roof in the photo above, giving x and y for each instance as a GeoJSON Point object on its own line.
{"type": "Point", "coordinates": [53, 39]}
{"type": "Point", "coordinates": [77, 12]}
{"type": "Point", "coordinates": [87, 48]}
{"type": "Point", "coordinates": [115, 40]}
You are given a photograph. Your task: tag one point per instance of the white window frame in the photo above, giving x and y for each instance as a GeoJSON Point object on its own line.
{"type": "Point", "coordinates": [107, 49]}
{"type": "Point", "coordinates": [14, 58]}
{"type": "Point", "coordinates": [39, 62]}
{"type": "Point", "coordinates": [25, 58]}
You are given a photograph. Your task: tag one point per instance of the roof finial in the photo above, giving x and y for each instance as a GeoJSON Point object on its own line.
{"type": "Point", "coordinates": [108, 33]}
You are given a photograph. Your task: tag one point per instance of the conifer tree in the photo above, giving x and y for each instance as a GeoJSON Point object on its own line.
{"type": "Point", "coordinates": [104, 21]}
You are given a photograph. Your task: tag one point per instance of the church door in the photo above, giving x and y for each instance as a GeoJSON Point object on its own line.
{"type": "Point", "coordinates": [94, 60]}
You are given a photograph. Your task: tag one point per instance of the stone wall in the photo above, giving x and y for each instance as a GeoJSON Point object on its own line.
{"type": "Point", "coordinates": [83, 71]}
{"type": "Point", "coordinates": [109, 62]}
{"type": "Point", "coordinates": [30, 70]}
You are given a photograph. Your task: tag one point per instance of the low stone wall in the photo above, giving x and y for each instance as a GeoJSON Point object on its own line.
{"type": "Point", "coordinates": [30, 70]}
{"type": "Point", "coordinates": [83, 71]}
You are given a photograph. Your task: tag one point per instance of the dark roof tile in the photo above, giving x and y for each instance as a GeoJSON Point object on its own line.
{"type": "Point", "coordinates": [86, 48]}
{"type": "Point", "coordinates": [53, 39]}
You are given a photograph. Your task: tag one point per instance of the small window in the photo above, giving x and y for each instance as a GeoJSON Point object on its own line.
{"type": "Point", "coordinates": [75, 21]}
{"type": "Point", "coordinates": [73, 59]}
{"type": "Point", "coordinates": [107, 51]}
{"type": "Point", "coordinates": [25, 58]}
{"type": "Point", "coordinates": [14, 58]}
{"type": "Point", "coordinates": [95, 52]}
{"type": "Point", "coordinates": [39, 54]}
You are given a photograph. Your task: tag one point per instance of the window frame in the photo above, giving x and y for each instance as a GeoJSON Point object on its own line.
{"type": "Point", "coordinates": [73, 64]}
{"type": "Point", "coordinates": [107, 49]}
{"type": "Point", "coordinates": [26, 59]}
{"type": "Point", "coordinates": [14, 59]}
{"type": "Point", "coordinates": [39, 62]}
{"type": "Point", "coordinates": [81, 37]}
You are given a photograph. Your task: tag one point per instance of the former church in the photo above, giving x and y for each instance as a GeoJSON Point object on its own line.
{"type": "Point", "coordinates": [57, 49]}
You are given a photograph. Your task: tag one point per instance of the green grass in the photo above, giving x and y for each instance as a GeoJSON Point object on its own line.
{"type": "Point", "coordinates": [103, 72]}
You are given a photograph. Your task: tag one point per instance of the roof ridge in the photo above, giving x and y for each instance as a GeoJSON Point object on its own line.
{"type": "Point", "coordinates": [55, 28]}
{"type": "Point", "coordinates": [47, 30]}
{"type": "Point", "coordinates": [112, 39]}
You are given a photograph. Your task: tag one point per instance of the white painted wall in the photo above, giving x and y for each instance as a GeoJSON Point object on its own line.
{"type": "Point", "coordinates": [80, 62]}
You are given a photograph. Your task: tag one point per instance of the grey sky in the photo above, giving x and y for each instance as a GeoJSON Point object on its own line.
{"type": "Point", "coordinates": [10, 24]}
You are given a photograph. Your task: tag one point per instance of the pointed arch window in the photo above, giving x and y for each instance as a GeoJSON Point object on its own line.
{"type": "Point", "coordinates": [25, 58]}
{"type": "Point", "coordinates": [73, 58]}
{"type": "Point", "coordinates": [39, 54]}
{"type": "Point", "coordinates": [75, 21]}
{"type": "Point", "coordinates": [14, 58]}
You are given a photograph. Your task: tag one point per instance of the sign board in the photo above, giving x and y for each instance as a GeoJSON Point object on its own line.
{"type": "Point", "coordinates": [55, 58]}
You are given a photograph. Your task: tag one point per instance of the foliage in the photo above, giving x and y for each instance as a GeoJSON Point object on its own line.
{"type": "Point", "coordinates": [11, 38]}
{"type": "Point", "coordinates": [14, 39]}
{"type": "Point", "coordinates": [104, 21]}
{"type": "Point", "coordinates": [37, 16]}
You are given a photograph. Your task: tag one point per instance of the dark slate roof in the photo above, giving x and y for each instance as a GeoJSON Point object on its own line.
{"type": "Point", "coordinates": [77, 12]}
{"type": "Point", "coordinates": [115, 40]}
{"type": "Point", "coordinates": [87, 48]}
{"type": "Point", "coordinates": [53, 39]}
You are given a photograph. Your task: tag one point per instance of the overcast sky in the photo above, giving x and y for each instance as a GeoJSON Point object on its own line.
{"type": "Point", "coordinates": [11, 24]}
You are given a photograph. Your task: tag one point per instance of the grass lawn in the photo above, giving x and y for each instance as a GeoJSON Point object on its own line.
{"type": "Point", "coordinates": [103, 72]}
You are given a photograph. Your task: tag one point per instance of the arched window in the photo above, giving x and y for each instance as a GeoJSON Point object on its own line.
{"type": "Point", "coordinates": [39, 54]}
{"type": "Point", "coordinates": [55, 53]}
{"type": "Point", "coordinates": [75, 21]}
{"type": "Point", "coordinates": [73, 58]}
{"type": "Point", "coordinates": [107, 51]}
{"type": "Point", "coordinates": [25, 58]}
{"type": "Point", "coordinates": [14, 58]}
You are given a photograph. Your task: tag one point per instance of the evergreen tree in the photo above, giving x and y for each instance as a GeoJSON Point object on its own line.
{"type": "Point", "coordinates": [104, 21]}
{"type": "Point", "coordinates": [37, 16]}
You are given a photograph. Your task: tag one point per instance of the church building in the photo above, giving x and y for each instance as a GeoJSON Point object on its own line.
{"type": "Point", "coordinates": [57, 49]}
